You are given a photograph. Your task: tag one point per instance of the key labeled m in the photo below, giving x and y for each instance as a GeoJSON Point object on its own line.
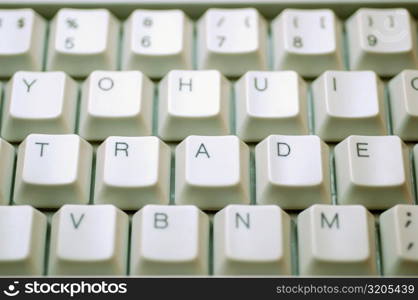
{"type": "Point", "coordinates": [326, 223]}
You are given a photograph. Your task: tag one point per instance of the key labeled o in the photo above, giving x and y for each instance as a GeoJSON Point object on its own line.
{"type": "Point", "coordinates": [106, 83]}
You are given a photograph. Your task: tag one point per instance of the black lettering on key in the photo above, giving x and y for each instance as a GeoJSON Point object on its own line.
{"type": "Point", "coordinates": [283, 149]}
{"type": "Point", "coordinates": [188, 84]}
{"type": "Point", "coordinates": [42, 147]}
{"type": "Point", "coordinates": [360, 149]}
{"type": "Point", "coordinates": [76, 224]}
{"type": "Point", "coordinates": [325, 222]}
{"type": "Point", "coordinates": [121, 146]}
{"type": "Point", "coordinates": [260, 88]}
{"type": "Point", "coordinates": [414, 83]}
{"type": "Point", "coordinates": [106, 83]}
{"type": "Point", "coordinates": [202, 150]}
{"type": "Point", "coordinates": [28, 84]}
{"type": "Point", "coordinates": [160, 220]}
{"type": "Point", "coordinates": [21, 23]}
{"type": "Point", "coordinates": [245, 222]}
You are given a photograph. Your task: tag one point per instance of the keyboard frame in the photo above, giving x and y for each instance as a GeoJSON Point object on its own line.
{"type": "Point", "coordinates": [195, 8]}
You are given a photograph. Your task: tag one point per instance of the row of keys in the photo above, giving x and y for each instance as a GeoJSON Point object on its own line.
{"type": "Point", "coordinates": [229, 40]}
{"type": "Point", "coordinates": [174, 240]}
{"type": "Point", "coordinates": [210, 172]}
{"type": "Point", "coordinates": [122, 103]}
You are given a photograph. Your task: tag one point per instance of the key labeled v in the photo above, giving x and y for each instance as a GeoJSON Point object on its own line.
{"type": "Point", "coordinates": [76, 223]}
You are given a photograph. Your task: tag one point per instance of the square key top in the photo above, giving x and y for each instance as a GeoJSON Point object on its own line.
{"type": "Point", "coordinates": [336, 240]}
{"type": "Point", "coordinates": [212, 172]}
{"type": "Point", "coordinates": [83, 40]}
{"type": "Point", "coordinates": [41, 102]}
{"type": "Point", "coordinates": [373, 171]}
{"type": "Point", "coordinates": [193, 102]}
{"type": "Point", "coordinates": [232, 41]}
{"type": "Point", "coordinates": [346, 103]}
{"type": "Point", "coordinates": [307, 41]}
{"type": "Point", "coordinates": [382, 40]}
{"type": "Point", "coordinates": [22, 36]}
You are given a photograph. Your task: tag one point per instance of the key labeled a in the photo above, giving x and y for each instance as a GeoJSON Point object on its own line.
{"type": "Point", "coordinates": [22, 35]}
{"type": "Point", "coordinates": [308, 41]}
{"type": "Point", "coordinates": [83, 40]}
{"type": "Point", "coordinates": [116, 103]}
{"type": "Point", "coordinates": [41, 102]}
{"type": "Point", "coordinates": [193, 102]}
{"type": "Point", "coordinates": [212, 172]}
{"type": "Point", "coordinates": [292, 171]}
{"type": "Point", "coordinates": [336, 240]}
{"type": "Point", "coordinates": [347, 103]}
{"type": "Point", "coordinates": [53, 170]}
{"type": "Point", "coordinates": [252, 240]}
{"type": "Point", "coordinates": [398, 228]}
{"type": "Point", "coordinates": [270, 102]}
{"type": "Point", "coordinates": [88, 240]}
{"type": "Point", "coordinates": [169, 240]}
{"type": "Point", "coordinates": [373, 171]}
{"type": "Point", "coordinates": [132, 172]}
{"type": "Point", "coordinates": [232, 41]}
{"type": "Point", "coordinates": [382, 40]}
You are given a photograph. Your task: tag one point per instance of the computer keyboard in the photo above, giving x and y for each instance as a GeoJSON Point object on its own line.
{"type": "Point", "coordinates": [209, 138]}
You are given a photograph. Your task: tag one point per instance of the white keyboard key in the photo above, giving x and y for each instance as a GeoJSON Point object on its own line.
{"type": "Point", "coordinates": [132, 172]}
{"type": "Point", "coordinates": [157, 41]}
{"type": "Point", "coordinates": [22, 35]}
{"type": "Point", "coordinates": [307, 41]}
{"type": "Point", "coordinates": [212, 172]}
{"type": "Point", "coordinates": [252, 240]}
{"type": "Point", "coordinates": [292, 171]}
{"type": "Point", "coordinates": [399, 240]}
{"type": "Point", "coordinates": [89, 240]}
{"type": "Point", "coordinates": [270, 102]}
{"type": "Point", "coordinates": [382, 40]}
{"type": "Point", "coordinates": [232, 41]}
{"type": "Point", "coordinates": [170, 240]}
{"type": "Point", "coordinates": [193, 102]}
{"type": "Point", "coordinates": [41, 102]}
{"type": "Point", "coordinates": [53, 170]}
{"type": "Point", "coordinates": [403, 92]}
{"type": "Point", "coordinates": [23, 239]}
{"type": "Point", "coordinates": [373, 171]}
{"type": "Point", "coordinates": [346, 103]}
{"type": "Point", "coordinates": [83, 40]}
{"type": "Point", "coordinates": [116, 103]}
{"type": "Point", "coordinates": [7, 158]}
{"type": "Point", "coordinates": [336, 240]}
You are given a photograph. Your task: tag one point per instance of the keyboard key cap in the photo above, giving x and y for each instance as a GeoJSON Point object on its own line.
{"type": "Point", "coordinates": [116, 103]}
{"type": "Point", "coordinates": [232, 41]}
{"type": "Point", "coordinates": [83, 40]}
{"type": "Point", "coordinates": [336, 240]}
{"type": "Point", "coordinates": [270, 102]}
{"type": "Point", "coordinates": [403, 92]}
{"type": "Point", "coordinates": [41, 102]}
{"type": "Point", "coordinates": [7, 158]}
{"type": "Point", "coordinates": [346, 103]}
{"type": "Point", "coordinates": [22, 35]}
{"type": "Point", "coordinates": [212, 172]}
{"type": "Point", "coordinates": [157, 41]}
{"type": "Point", "coordinates": [132, 172]}
{"type": "Point", "coordinates": [373, 171]}
{"type": "Point", "coordinates": [252, 240]}
{"type": "Point", "coordinates": [193, 102]}
{"type": "Point", "coordinates": [307, 41]}
{"type": "Point", "coordinates": [170, 240]}
{"type": "Point", "coordinates": [23, 238]}
{"type": "Point", "coordinates": [53, 170]}
{"type": "Point", "coordinates": [382, 40]}
{"type": "Point", "coordinates": [292, 171]}
{"type": "Point", "coordinates": [398, 234]}
{"type": "Point", "coordinates": [89, 240]}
